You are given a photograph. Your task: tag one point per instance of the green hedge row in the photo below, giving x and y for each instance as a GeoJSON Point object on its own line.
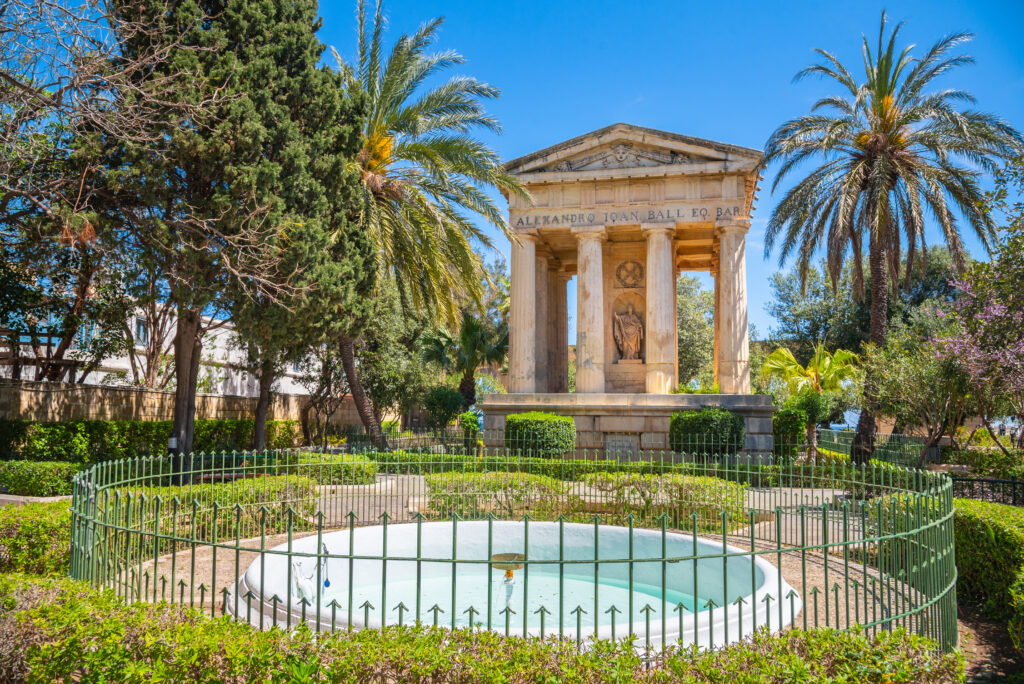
{"type": "Point", "coordinates": [989, 462]}
{"type": "Point", "coordinates": [90, 441]}
{"type": "Point", "coordinates": [990, 561]}
{"type": "Point", "coordinates": [38, 478]}
{"type": "Point", "coordinates": [540, 434]}
{"type": "Point", "coordinates": [708, 431]}
{"type": "Point", "coordinates": [114, 641]}
{"type": "Point", "coordinates": [332, 469]}
{"type": "Point", "coordinates": [35, 538]}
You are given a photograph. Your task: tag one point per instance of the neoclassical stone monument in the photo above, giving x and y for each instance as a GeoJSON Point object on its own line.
{"type": "Point", "coordinates": [624, 209]}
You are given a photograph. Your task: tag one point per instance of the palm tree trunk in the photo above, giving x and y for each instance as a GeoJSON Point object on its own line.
{"type": "Point", "coordinates": [467, 388]}
{"type": "Point", "coordinates": [363, 406]}
{"type": "Point", "coordinates": [864, 439]}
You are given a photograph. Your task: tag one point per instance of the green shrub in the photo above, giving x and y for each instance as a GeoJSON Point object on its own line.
{"type": "Point", "coordinates": [336, 469]}
{"type": "Point", "coordinates": [707, 432]}
{"type": "Point", "coordinates": [506, 495]}
{"type": "Point", "coordinates": [35, 538]}
{"type": "Point", "coordinates": [37, 478]}
{"type": "Point", "coordinates": [469, 422]}
{"type": "Point", "coordinates": [55, 630]}
{"type": "Point", "coordinates": [678, 496]}
{"type": "Point", "coordinates": [413, 463]}
{"type": "Point", "coordinates": [245, 507]}
{"type": "Point", "coordinates": [544, 435]}
{"type": "Point", "coordinates": [441, 405]}
{"type": "Point", "coordinates": [989, 462]}
{"type": "Point", "coordinates": [91, 441]}
{"type": "Point", "coordinates": [788, 430]}
{"type": "Point", "coordinates": [989, 541]}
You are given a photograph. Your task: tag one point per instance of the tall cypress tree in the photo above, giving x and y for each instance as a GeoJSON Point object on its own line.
{"type": "Point", "coordinates": [251, 197]}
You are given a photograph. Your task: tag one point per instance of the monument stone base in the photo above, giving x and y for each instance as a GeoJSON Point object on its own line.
{"type": "Point", "coordinates": [628, 422]}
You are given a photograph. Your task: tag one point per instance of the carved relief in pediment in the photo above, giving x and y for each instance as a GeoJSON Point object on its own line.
{"type": "Point", "coordinates": [623, 156]}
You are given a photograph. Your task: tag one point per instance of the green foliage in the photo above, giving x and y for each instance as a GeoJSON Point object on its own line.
{"type": "Point", "coordinates": [413, 463]}
{"type": "Point", "coordinates": [709, 431]}
{"type": "Point", "coordinates": [333, 469]}
{"type": "Point", "coordinates": [509, 496]}
{"type": "Point", "coordinates": [251, 493]}
{"type": "Point", "coordinates": [37, 478]}
{"type": "Point", "coordinates": [92, 441]}
{"type": "Point", "coordinates": [477, 343]}
{"type": "Point", "coordinates": [540, 434]}
{"type": "Point", "coordinates": [35, 538]}
{"type": "Point", "coordinates": [695, 313]}
{"type": "Point", "coordinates": [989, 461]}
{"type": "Point", "coordinates": [442, 404]}
{"type": "Point", "coordinates": [678, 496]}
{"type": "Point", "coordinates": [788, 425]}
{"type": "Point", "coordinates": [469, 422]}
{"type": "Point", "coordinates": [115, 641]}
{"type": "Point", "coordinates": [990, 561]}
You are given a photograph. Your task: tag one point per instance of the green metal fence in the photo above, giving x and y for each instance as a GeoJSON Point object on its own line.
{"type": "Point", "coordinates": [902, 450]}
{"type": "Point", "coordinates": [655, 546]}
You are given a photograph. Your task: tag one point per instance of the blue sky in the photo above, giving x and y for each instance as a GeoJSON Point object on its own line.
{"type": "Point", "coordinates": [709, 69]}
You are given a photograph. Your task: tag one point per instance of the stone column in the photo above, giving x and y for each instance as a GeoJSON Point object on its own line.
{"type": "Point", "coordinates": [522, 364]}
{"type": "Point", "coordinates": [590, 311]}
{"type": "Point", "coordinates": [734, 352]}
{"type": "Point", "coordinates": [717, 323]}
{"type": "Point", "coordinates": [542, 320]}
{"type": "Point", "coordinates": [661, 302]}
{"type": "Point", "coordinates": [558, 333]}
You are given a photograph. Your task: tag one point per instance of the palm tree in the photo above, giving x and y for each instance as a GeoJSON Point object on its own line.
{"type": "Point", "coordinates": [423, 174]}
{"type": "Point", "coordinates": [810, 385]}
{"type": "Point", "coordinates": [890, 153]}
{"type": "Point", "coordinates": [476, 344]}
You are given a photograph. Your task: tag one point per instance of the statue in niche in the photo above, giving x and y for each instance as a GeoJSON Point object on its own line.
{"type": "Point", "coordinates": [628, 331]}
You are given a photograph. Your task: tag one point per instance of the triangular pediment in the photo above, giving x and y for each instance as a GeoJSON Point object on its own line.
{"type": "Point", "coordinates": [624, 146]}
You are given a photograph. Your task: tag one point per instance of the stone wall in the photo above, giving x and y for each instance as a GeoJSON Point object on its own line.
{"type": "Point", "coordinates": [46, 402]}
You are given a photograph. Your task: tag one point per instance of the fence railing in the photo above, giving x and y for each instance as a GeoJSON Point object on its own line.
{"type": "Point", "coordinates": [902, 450]}
{"type": "Point", "coordinates": [660, 547]}
{"type": "Point", "coordinates": [994, 490]}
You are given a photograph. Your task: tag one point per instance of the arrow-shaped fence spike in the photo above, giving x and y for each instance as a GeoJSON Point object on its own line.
{"type": "Point", "coordinates": [401, 608]}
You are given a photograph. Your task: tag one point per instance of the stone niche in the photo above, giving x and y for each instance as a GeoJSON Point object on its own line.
{"type": "Point", "coordinates": [625, 287]}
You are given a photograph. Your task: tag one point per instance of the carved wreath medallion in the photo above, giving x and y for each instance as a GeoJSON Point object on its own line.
{"type": "Point", "coordinates": [629, 274]}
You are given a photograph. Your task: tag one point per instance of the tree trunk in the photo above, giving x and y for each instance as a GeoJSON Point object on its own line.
{"type": "Point", "coordinates": [812, 440]}
{"type": "Point", "coordinates": [467, 388]}
{"type": "Point", "coordinates": [994, 436]}
{"type": "Point", "coordinates": [267, 377]}
{"type": "Point", "coordinates": [187, 350]}
{"type": "Point", "coordinates": [363, 406]}
{"type": "Point", "coordinates": [864, 439]}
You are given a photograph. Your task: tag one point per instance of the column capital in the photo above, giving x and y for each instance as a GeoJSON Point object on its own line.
{"type": "Point", "coordinates": [590, 233]}
{"type": "Point", "coordinates": [526, 235]}
{"type": "Point", "coordinates": [657, 228]}
{"type": "Point", "coordinates": [733, 224]}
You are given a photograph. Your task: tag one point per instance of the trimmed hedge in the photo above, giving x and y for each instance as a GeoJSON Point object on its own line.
{"type": "Point", "coordinates": [35, 538]}
{"type": "Point", "coordinates": [989, 462]}
{"type": "Point", "coordinates": [789, 430]}
{"type": "Point", "coordinates": [333, 469]}
{"type": "Point", "coordinates": [91, 441]}
{"type": "Point", "coordinates": [38, 478]}
{"type": "Point", "coordinates": [540, 434]}
{"type": "Point", "coordinates": [990, 561]}
{"type": "Point", "coordinates": [413, 463]}
{"type": "Point", "coordinates": [679, 496]}
{"type": "Point", "coordinates": [509, 496]}
{"type": "Point", "coordinates": [708, 432]}
{"type": "Point", "coordinates": [114, 641]}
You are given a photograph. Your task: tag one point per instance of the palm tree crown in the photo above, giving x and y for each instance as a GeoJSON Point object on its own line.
{"type": "Point", "coordinates": [892, 153]}
{"type": "Point", "coordinates": [824, 372]}
{"type": "Point", "coordinates": [476, 344]}
{"type": "Point", "coordinates": [423, 172]}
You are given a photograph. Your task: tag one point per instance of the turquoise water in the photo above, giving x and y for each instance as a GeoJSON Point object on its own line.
{"type": "Point", "coordinates": [540, 589]}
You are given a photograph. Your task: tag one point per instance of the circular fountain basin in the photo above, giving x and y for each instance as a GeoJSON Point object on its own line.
{"type": "Point", "coordinates": [600, 580]}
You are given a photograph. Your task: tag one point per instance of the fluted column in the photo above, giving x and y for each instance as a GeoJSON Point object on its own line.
{"type": "Point", "coordinates": [542, 319]}
{"type": "Point", "coordinates": [590, 311]}
{"type": "Point", "coordinates": [734, 353]}
{"type": "Point", "coordinates": [661, 333]}
{"type": "Point", "coordinates": [522, 363]}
